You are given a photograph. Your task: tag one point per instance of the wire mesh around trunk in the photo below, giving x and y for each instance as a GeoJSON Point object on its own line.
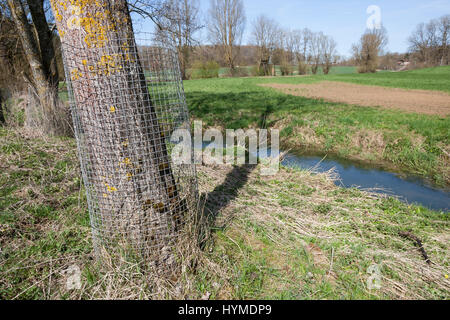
{"type": "Point", "coordinates": [127, 98]}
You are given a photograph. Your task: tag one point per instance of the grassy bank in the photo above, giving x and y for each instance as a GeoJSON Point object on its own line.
{"type": "Point", "coordinates": [437, 78]}
{"type": "Point", "coordinates": [409, 142]}
{"type": "Point", "coordinates": [298, 236]}
{"type": "Point", "coordinates": [294, 235]}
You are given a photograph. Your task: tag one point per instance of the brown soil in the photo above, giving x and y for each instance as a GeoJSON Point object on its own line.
{"type": "Point", "coordinates": [418, 101]}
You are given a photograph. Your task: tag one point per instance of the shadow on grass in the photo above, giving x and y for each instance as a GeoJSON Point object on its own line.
{"type": "Point", "coordinates": [218, 199]}
{"type": "Point", "coordinates": [241, 110]}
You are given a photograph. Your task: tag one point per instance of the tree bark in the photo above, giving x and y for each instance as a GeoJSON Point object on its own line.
{"type": "Point", "coordinates": [45, 40]}
{"type": "Point", "coordinates": [30, 47]}
{"type": "Point", "coordinates": [133, 196]}
{"type": "Point", "coordinates": [45, 90]}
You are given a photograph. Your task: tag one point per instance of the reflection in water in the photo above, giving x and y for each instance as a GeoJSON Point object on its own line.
{"type": "Point", "coordinates": [409, 189]}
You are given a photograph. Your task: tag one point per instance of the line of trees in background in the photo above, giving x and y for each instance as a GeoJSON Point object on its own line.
{"type": "Point", "coordinates": [33, 35]}
{"type": "Point", "coordinates": [287, 48]}
{"type": "Point", "coordinates": [179, 22]}
{"type": "Point", "coordinates": [30, 55]}
{"type": "Point", "coordinates": [429, 44]}
{"type": "Point", "coordinates": [225, 24]}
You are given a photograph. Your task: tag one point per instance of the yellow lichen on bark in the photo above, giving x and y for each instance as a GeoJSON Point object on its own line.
{"type": "Point", "coordinates": [118, 125]}
{"type": "Point", "coordinates": [92, 16]}
{"type": "Point", "coordinates": [75, 74]}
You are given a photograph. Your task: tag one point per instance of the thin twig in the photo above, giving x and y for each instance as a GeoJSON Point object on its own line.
{"type": "Point", "coordinates": [331, 263]}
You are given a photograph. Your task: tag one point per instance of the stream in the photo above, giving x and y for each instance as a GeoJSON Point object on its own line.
{"type": "Point", "coordinates": [410, 189]}
{"type": "Point", "coordinates": [407, 188]}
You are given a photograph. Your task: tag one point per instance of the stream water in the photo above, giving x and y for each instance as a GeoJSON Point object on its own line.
{"type": "Point", "coordinates": [407, 188]}
{"type": "Point", "coordinates": [410, 189]}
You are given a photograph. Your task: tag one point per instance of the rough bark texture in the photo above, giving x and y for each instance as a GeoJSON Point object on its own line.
{"type": "Point", "coordinates": [30, 47]}
{"type": "Point", "coordinates": [47, 116]}
{"type": "Point", "coordinates": [132, 192]}
{"type": "Point", "coordinates": [45, 40]}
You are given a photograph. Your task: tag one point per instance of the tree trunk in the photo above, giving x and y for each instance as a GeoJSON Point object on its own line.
{"type": "Point", "coordinates": [30, 47]}
{"type": "Point", "coordinates": [132, 193]}
{"type": "Point", "coordinates": [45, 91]}
{"type": "Point", "coordinates": [45, 40]}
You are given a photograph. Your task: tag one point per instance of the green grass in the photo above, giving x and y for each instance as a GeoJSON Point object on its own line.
{"type": "Point", "coordinates": [224, 72]}
{"type": "Point", "coordinates": [334, 70]}
{"type": "Point", "coordinates": [294, 235]}
{"type": "Point", "coordinates": [437, 78]}
{"type": "Point", "coordinates": [41, 219]}
{"type": "Point", "coordinates": [427, 79]}
{"type": "Point", "coordinates": [404, 141]}
{"type": "Point", "coordinates": [276, 241]}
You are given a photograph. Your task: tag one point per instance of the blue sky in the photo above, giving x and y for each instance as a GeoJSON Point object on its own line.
{"type": "Point", "coordinates": [345, 20]}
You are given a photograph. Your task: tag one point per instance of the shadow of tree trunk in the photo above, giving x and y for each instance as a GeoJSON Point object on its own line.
{"type": "Point", "coordinates": [218, 199]}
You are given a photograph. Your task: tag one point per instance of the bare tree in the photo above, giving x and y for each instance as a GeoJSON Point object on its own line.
{"type": "Point", "coordinates": [367, 51]}
{"type": "Point", "coordinates": [429, 43]}
{"type": "Point", "coordinates": [301, 46]}
{"type": "Point", "coordinates": [443, 28]}
{"type": "Point", "coordinates": [294, 43]}
{"type": "Point", "coordinates": [41, 57]}
{"type": "Point", "coordinates": [424, 42]}
{"type": "Point", "coordinates": [266, 37]}
{"type": "Point", "coordinates": [327, 52]}
{"type": "Point", "coordinates": [178, 27]}
{"type": "Point", "coordinates": [307, 36]}
{"type": "Point", "coordinates": [315, 51]}
{"type": "Point", "coordinates": [419, 43]}
{"type": "Point", "coordinates": [226, 26]}
{"type": "Point", "coordinates": [290, 41]}
{"type": "Point", "coordinates": [287, 44]}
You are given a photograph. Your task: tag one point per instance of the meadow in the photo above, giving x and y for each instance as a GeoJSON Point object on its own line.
{"type": "Point", "coordinates": [223, 72]}
{"type": "Point", "coordinates": [402, 141]}
{"type": "Point", "coordinates": [294, 235]}
{"type": "Point", "coordinates": [437, 78]}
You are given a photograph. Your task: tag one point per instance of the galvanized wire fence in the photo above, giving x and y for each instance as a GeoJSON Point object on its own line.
{"type": "Point", "coordinates": [126, 99]}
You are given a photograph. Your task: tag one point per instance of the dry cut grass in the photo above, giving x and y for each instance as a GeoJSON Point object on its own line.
{"type": "Point", "coordinates": [301, 237]}
{"type": "Point", "coordinates": [294, 235]}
